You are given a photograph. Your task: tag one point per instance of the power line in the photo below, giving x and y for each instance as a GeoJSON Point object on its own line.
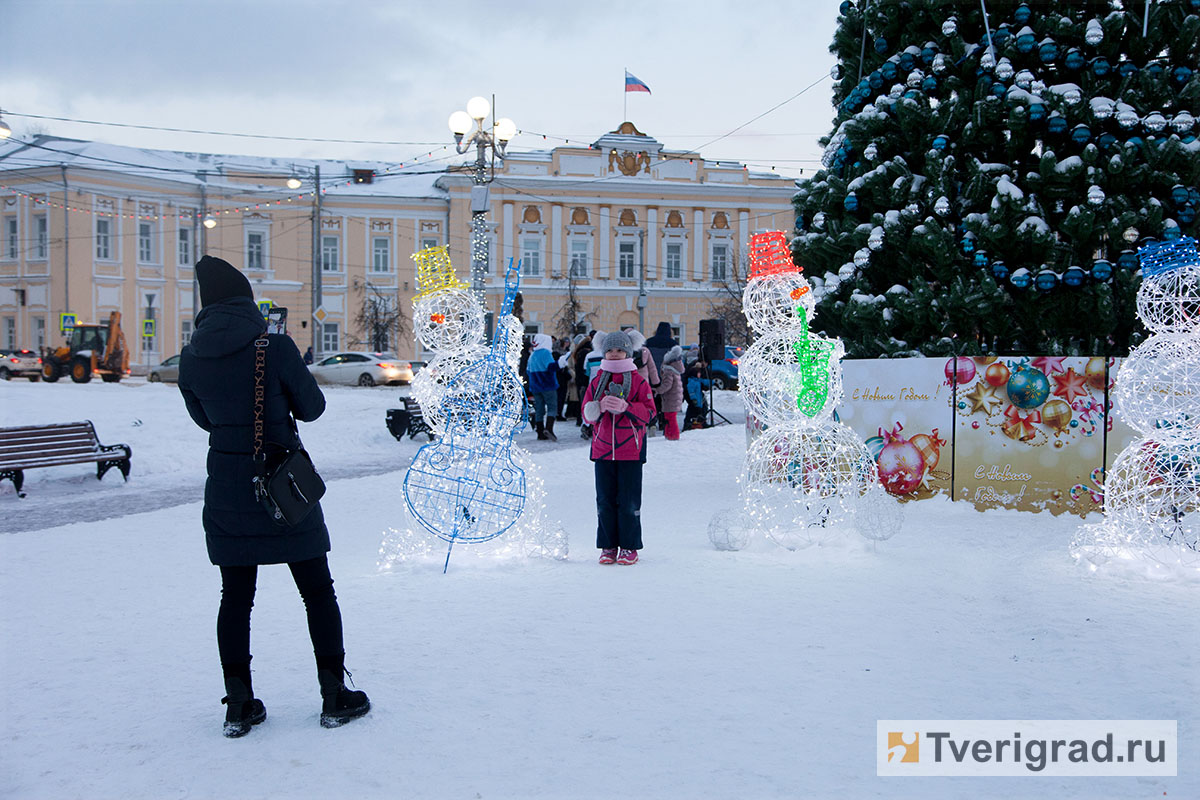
{"type": "Point", "coordinates": [214, 133]}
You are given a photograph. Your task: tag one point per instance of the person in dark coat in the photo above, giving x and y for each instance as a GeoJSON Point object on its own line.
{"type": "Point", "coordinates": [658, 345]}
{"type": "Point", "coordinates": [216, 377]}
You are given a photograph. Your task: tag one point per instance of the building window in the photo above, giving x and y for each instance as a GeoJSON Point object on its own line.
{"type": "Point", "coordinates": [430, 241]}
{"type": "Point", "coordinates": [329, 337]}
{"type": "Point", "coordinates": [579, 258]}
{"type": "Point", "coordinates": [41, 236]}
{"type": "Point", "coordinates": [256, 250]}
{"type": "Point", "coordinates": [145, 243]}
{"type": "Point", "coordinates": [185, 333]}
{"type": "Point", "coordinates": [533, 328]}
{"type": "Point", "coordinates": [531, 255]}
{"type": "Point", "coordinates": [185, 247]}
{"type": "Point", "coordinates": [104, 238]}
{"type": "Point", "coordinates": [381, 254]}
{"type": "Point", "coordinates": [625, 254]}
{"type": "Point", "coordinates": [11, 245]}
{"type": "Point", "coordinates": [10, 333]}
{"type": "Point", "coordinates": [720, 261]}
{"type": "Point", "coordinates": [39, 333]}
{"type": "Point", "coordinates": [674, 261]}
{"type": "Point", "coordinates": [330, 259]}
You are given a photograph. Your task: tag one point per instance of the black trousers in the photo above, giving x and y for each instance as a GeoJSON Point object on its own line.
{"type": "Point", "coordinates": [619, 504]}
{"type": "Point", "coordinates": [237, 598]}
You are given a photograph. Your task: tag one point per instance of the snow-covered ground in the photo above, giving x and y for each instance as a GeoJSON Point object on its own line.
{"type": "Point", "coordinates": [696, 673]}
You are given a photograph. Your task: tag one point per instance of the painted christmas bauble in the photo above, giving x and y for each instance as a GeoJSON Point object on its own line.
{"type": "Point", "coordinates": [997, 374]}
{"type": "Point", "coordinates": [901, 466]}
{"type": "Point", "coordinates": [1094, 372]}
{"type": "Point", "coordinates": [1057, 414]}
{"type": "Point", "coordinates": [930, 447]}
{"type": "Point", "coordinates": [966, 370]}
{"type": "Point", "coordinates": [874, 445]}
{"type": "Point", "coordinates": [1028, 387]}
{"type": "Point", "coordinates": [983, 361]}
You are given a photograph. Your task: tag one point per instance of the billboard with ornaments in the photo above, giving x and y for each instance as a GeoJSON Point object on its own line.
{"type": "Point", "coordinates": [1027, 433]}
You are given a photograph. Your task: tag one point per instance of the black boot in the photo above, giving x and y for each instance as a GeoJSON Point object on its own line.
{"type": "Point", "coordinates": [550, 429]}
{"type": "Point", "coordinates": [339, 704]}
{"type": "Point", "coordinates": [243, 709]}
{"type": "Point", "coordinates": [541, 430]}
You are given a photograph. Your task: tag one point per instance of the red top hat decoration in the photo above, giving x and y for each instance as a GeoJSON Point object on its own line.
{"type": "Point", "coordinates": [769, 255]}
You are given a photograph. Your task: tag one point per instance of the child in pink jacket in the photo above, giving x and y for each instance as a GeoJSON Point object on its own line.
{"type": "Point", "coordinates": [618, 405]}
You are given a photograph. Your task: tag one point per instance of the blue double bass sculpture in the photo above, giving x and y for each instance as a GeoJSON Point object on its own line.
{"type": "Point", "coordinates": [466, 485]}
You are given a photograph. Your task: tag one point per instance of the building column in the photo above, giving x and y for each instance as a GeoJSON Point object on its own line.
{"type": "Point", "coordinates": [698, 244]}
{"type": "Point", "coordinates": [554, 261]}
{"type": "Point", "coordinates": [605, 237]}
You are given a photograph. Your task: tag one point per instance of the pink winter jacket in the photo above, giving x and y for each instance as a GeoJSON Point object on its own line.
{"type": "Point", "coordinates": [619, 437]}
{"type": "Point", "coordinates": [670, 387]}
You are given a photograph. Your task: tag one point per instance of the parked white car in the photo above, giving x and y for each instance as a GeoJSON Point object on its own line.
{"type": "Point", "coordinates": [20, 364]}
{"type": "Point", "coordinates": [360, 368]}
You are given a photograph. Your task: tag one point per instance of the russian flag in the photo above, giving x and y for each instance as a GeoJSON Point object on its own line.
{"type": "Point", "coordinates": [633, 84]}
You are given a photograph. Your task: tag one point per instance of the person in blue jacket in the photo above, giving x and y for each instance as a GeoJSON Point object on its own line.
{"type": "Point", "coordinates": [216, 377]}
{"type": "Point", "coordinates": [542, 371]}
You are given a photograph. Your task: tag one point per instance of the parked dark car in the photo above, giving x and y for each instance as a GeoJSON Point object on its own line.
{"type": "Point", "coordinates": [725, 371]}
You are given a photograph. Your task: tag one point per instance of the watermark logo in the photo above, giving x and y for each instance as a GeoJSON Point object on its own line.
{"type": "Point", "coordinates": [1005, 747]}
{"type": "Point", "coordinates": [903, 747]}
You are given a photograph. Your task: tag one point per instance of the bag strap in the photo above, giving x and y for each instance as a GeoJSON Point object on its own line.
{"type": "Point", "coordinates": [260, 372]}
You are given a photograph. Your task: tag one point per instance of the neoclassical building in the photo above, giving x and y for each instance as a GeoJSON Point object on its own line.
{"type": "Point", "coordinates": [88, 228]}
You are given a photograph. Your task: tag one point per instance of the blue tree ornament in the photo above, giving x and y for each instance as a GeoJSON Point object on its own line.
{"type": "Point", "coordinates": [1100, 66]}
{"type": "Point", "coordinates": [881, 45]}
{"type": "Point", "coordinates": [1074, 60]}
{"type": "Point", "coordinates": [941, 141]}
{"type": "Point", "coordinates": [999, 270]}
{"type": "Point", "coordinates": [1045, 280]}
{"type": "Point", "coordinates": [1022, 14]}
{"type": "Point", "coordinates": [1127, 259]}
{"type": "Point", "coordinates": [1080, 134]}
{"type": "Point", "coordinates": [850, 202]}
{"type": "Point", "coordinates": [1048, 52]}
{"type": "Point", "coordinates": [1057, 125]}
{"type": "Point", "coordinates": [466, 485]}
{"type": "Point", "coordinates": [888, 70]}
{"type": "Point", "coordinates": [1074, 277]}
{"type": "Point", "coordinates": [1101, 270]}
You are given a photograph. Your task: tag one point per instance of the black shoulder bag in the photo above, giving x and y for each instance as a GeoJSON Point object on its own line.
{"type": "Point", "coordinates": [287, 486]}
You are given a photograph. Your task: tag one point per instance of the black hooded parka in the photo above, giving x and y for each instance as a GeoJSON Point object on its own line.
{"type": "Point", "coordinates": [216, 377]}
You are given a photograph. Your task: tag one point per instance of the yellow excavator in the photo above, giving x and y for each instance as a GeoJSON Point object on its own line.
{"type": "Point", "coordinates": [93, 349]}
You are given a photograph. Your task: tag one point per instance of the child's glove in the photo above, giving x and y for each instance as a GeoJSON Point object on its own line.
{"type": "Point", "coordinates": [613, 404]}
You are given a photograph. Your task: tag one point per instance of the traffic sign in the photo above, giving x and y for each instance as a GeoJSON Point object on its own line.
{"type": "Point", "coordinates": [147, 329]}
{"type": "Point", "coordinates": [264, 306]}
{"type": "Point", "coordinates": [66, 322]}
{"type": "Point", "coordinates": [320, 314]}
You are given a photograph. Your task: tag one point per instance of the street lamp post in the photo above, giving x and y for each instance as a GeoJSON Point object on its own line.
{"type": "Point", "coordinates": [467, 127]}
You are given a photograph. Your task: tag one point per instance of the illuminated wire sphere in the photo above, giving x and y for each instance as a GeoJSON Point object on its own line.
{"type": "Point", "coordinates": [879, 516]}
{"type": "Point", "coordinates": [774, 383]}
{"type": "Point", "coordinates": [802, 480]}
{"type": "Point", "coordinates": [1152, 499]}
{"type": "Point", "coordinates": [1170, 302]}
{"type": "Point", "coordinates": [730, 529]}
{"type": "Point", "coordinates": [429, 385]}
{"type": "Point", "coordinates": [448, 320]}
{"type": "Point", "coordinates": [770, 302]}
{"type": "Point", "coordinates": [1158, 387]}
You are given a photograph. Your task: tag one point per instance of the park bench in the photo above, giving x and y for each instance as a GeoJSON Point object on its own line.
{"type": "Point", "coordinates": [33, 446]}
{"type": "Point", "coordinates": [408, 420]}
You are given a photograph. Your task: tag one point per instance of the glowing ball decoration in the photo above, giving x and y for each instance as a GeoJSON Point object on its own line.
{"type": "Point", "coordinates": [1153, 494]}
{"type": "Point", "coordinates": [730, 530]}
{"type": "Point", "coordinates": [1158, 385]}
{"type": "Point", "coordinates": [1028, 387]}
{"type": "Point", "coordinates": [801, 479]}
{"type": "Point", "coordinates": [997, 374]}
{"type": "Point", "coordinates": [1057, 414]}
{"type": "Point", "coordinates": [1168, 301]}
{"type": "Point", "coordinates": [773, 380]}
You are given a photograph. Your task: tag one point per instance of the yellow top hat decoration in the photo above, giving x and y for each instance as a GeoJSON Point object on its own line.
{"type": "Point", "coordinates": [435, 273]}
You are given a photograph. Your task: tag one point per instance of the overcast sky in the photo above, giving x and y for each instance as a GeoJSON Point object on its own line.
{"type": "Point", "coordinates": [395, 71]}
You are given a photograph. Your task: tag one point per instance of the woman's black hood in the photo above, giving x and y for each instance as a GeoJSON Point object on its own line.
{"type": "Point", "coordinates": [227, 326]}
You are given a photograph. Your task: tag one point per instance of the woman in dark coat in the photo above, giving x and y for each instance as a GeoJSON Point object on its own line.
{"type": "Point", "coordinates": [216, 377]}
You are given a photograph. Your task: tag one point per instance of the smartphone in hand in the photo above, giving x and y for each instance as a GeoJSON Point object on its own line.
{"type": "Point", "coordinates": [277, 320]}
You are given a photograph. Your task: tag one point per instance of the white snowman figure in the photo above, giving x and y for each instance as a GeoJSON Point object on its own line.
{"type": "Point", "coordinates": [1152, 494]}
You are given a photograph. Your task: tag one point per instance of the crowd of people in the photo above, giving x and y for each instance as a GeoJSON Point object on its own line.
{"type": "Point", "coordinates": [556, 373]}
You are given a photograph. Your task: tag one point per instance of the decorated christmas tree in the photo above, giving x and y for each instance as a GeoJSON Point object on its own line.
{"type": "Point", "coordinates": [992, 172]}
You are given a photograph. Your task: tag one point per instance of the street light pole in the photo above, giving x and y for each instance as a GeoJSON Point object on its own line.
{"type": "Point", "coordinates": [641, 301]}
{"type": "Point", "coordinates": [316, 260]}
{"type": "Point", "coordinates": [497, 137]}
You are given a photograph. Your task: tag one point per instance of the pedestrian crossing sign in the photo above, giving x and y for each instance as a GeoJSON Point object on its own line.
{"type": "Point", "coordinates": [66, 322]}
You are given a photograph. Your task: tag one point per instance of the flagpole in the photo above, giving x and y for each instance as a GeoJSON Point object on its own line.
{"type": "Point", "coordinates": [624, 99]}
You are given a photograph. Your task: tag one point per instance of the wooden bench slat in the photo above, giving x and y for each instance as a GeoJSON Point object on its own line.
{"type": "Point", "coordinates": [31, 446]}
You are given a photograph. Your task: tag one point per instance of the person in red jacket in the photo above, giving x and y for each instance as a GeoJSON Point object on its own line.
{"type": "Point", "coordinates": [618, 405]}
